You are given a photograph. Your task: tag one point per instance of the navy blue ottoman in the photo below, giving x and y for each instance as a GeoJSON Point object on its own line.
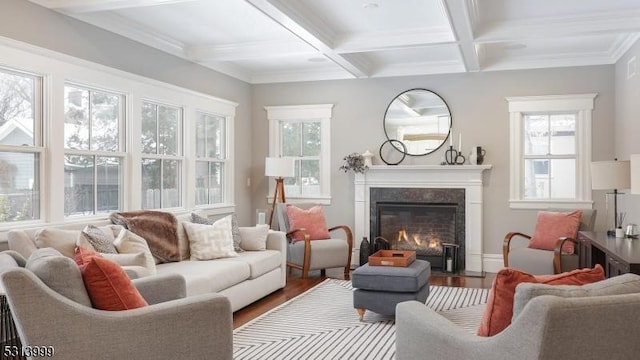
{"type": "Point", "coordinates": [381, 288]}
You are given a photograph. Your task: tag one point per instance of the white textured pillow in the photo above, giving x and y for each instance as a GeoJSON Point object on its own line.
{"type": "Point", "coordinates": [129, 243]}
{"type": "Point", "coordinates": [62, 240]}
{"type": "Point", "coordinates": [254, 238]}
{"type": "Point", "coordinates": [213, 241]}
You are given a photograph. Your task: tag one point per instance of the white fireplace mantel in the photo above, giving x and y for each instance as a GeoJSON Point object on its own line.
{"type": "Point", "coordinates": [467, 177]}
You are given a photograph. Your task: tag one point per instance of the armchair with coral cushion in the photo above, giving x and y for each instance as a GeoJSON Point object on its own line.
{"type": "Point", "coordinates": [172, 326]}
{"type": "Point", "coordinates": [311, 244]}
{"type": "Point", "coordinates": [553, 247]}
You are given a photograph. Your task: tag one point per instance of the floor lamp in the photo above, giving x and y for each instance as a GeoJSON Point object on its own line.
{"type": "Point", "coordinates": [611, 175]}
{"type": "Point", "coordinates": [279, 168]}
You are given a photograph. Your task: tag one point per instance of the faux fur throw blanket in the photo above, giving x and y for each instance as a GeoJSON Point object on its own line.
{"type": "Point", "coordinates": [158, 228]}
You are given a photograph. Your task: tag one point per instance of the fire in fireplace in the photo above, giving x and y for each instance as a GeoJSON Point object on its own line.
{"type": "Point", "coordinates": [424, 246]}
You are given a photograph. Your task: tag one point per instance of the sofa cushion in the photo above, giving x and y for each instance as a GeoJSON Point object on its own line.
{"type": "Point", "coordinates": [60, 273]}
{"type": "Point", "coordinates": [312, 220]}
{"type": "Point", "coordinates": [551, 226]}
{"type": "Point", "coordinates": [207, 242]}
{"type": "Point", "coordinates": [203, 277]}
{"type": "Point", "coordinates": [102, 241]}
{"type": "Point", "coordinates": [109, 287]}
{"type": "Point", "coordinates": [499, 311]}
{"type": "Point", "coordinates": [62, 240]}
{"type": "Point", "coordinates": [260, 262]}
{"type": "Point", "coordinates": [617, 285]}
{"type": "Point", "coordinates": [235, 229]}
{"type": "Point", "coordinates": [127, 242]}
{"type": "Point", "coordinates": [254, 238]}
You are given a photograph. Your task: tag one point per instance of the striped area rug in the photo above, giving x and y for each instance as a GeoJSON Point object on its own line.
{"type": "Point", "coordinates": [322, 324]}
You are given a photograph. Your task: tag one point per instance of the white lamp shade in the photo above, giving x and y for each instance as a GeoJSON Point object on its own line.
{"type": "Point", "coordinates": [610, 175]}
{"type": "Point", "coordinates": [635, 173]}
{"type": "Point", "coordinates": [279, 167]}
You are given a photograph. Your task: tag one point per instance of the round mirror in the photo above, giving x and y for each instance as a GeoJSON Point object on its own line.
{"type": "Point", "coordinates": [420, 119]}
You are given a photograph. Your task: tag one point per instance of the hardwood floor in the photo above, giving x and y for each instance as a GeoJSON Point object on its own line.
{"type": "Point", "coordinates": [296, 286]}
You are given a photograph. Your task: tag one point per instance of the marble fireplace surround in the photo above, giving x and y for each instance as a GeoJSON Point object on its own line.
{"type": "Point", "coordinates": [467, 177]}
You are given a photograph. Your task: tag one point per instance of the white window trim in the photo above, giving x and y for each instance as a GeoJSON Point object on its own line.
{"type": "Point", "coordinates": [317, 112]}
{"type": "Point", "coordinates": [56, 69]}
{"type": "Point", "coordinates": [226, 161]}
{"type": "Point", "coordinates": [583, 105]}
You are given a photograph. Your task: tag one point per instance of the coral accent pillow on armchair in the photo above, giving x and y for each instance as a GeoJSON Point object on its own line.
{"type": "Point", "coordinates": [312, 220]}
{"type": "Point", "coordinates": [553, 225]}
{"type": "Point", "coordinates": [499, 311]}
{"type": "Point", "coordinates": [108, 285]}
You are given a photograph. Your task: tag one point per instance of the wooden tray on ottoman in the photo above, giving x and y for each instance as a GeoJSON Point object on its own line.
{"type": "Point", "coordinates": [401, 258]}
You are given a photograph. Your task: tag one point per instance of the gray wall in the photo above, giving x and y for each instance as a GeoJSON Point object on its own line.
{"type": "Point", "coordinates": [627, 123]}
{"type": "Point", "coordinates": [479, 110]}
{"type": "Point", "coordinates": [24, 21]}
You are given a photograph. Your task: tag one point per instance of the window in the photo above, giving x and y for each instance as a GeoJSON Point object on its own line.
{"type": "Point", "coordinates": [94, 156]}
{"type": "Point", "coordinates": [210, 158]}
{"type": "Point", "coordinates": [161, 156]}
{"type": "Point", "coordinates": [302, 132]}
{"type": "Point", "coordinates": [20, 146]}
{"type": "Point", "coordinates": [550, 151]}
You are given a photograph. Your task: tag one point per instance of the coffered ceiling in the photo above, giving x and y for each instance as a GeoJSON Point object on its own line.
{"type": "Point", "coordinates": [267, 41]}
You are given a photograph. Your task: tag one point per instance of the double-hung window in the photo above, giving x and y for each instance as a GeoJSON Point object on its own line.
{"type": "Point", "coordinates": [94, 150]}
{"type": "Point", "coordinates": [302, 133]}
{"type": "Point", "coordinates": [162, 155]}
{"type": "Point", "coordinates": [211, 158]}
{"type": "Point", "coordinates": [20, 146]}
{"type": "Point", "coordinates": [550, 151]}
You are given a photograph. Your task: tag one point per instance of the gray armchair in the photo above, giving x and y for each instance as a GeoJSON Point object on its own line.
{"type": "Point", "coordinates": [549, 327]}
{"type": "Point", "coordinates": [316, 254]}
{"type": "Point", "coordinates": [171, 327]}
{"type": "Point", "coordinates": [518, 255]}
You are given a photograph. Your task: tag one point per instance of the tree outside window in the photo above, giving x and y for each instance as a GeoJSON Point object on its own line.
{"type": "Point", "coordinates": [162, 156]}
{"type": "Point", "coordinates": [20, 146]}
{"type": "Point", "coordinates": [93, 151]}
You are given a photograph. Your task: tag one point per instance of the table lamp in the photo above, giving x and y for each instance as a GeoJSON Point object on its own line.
{"type": "Point", "coordinates": [611, 175]}
{"type": "Point", "coordinates": [280, 168]}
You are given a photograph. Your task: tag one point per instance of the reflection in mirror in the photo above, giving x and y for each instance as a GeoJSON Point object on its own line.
{"type": "Point", "coordinates": [420, 119]}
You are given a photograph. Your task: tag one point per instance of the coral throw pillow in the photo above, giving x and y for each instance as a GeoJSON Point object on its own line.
{"type": "Point", "coordinates": [107, 284]}
{"type": "Point", "coordinates": [311, 220]}
{"type": "Point", "coordinates": [497, 315]}
{"type": "Point", "coordinates": [551, 226]}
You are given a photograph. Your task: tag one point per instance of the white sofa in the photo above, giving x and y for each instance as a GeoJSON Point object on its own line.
{"type": "Point", "coordinates": [243, 279]}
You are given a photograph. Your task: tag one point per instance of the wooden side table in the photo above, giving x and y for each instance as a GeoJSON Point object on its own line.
{"type": "Point", "coordinates": [616, 255]}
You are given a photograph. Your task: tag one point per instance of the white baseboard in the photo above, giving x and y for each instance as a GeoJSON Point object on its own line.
{"type": "Point", "coordinates": [492, 262]}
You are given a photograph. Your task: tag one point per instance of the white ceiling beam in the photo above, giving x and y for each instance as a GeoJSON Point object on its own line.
{"type": "Point", "coordinates": [309, 31]}
{"type": "Point", "coordinates": [84, 6]}
{"type": "Point", "coordinates": [461, 16]}
{"type": "Point", "coordinates": [246, 51]}
{"type": "Point", "coordinates": [394, 40]}
{"type": "Point", "coordinates": [562, 26]}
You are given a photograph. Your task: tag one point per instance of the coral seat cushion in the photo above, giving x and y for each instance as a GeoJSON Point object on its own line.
{"type": "Point", "coordinates": [551, 226]}
{"type": "Point", "coordinates": [499, 311]}
{"type": "Point", "coordinates": [108, 285]}
{"type": "Point", "coordinates": [312, 220]}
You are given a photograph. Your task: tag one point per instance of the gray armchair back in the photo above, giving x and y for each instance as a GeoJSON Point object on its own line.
{"type": "Point", "coordinates": [549, 328]}
{"type": "Point", "coordinates": [172, 327]}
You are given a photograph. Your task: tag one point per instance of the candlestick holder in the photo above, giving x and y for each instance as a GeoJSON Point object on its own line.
{"type": "Point", "coordinates": [453, 156]}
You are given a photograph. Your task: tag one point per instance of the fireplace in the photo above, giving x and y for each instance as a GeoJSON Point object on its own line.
{"type": "Point", "coordinates": [467, 180]}
{"type": "Point", "coordinates": [420, 219]}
